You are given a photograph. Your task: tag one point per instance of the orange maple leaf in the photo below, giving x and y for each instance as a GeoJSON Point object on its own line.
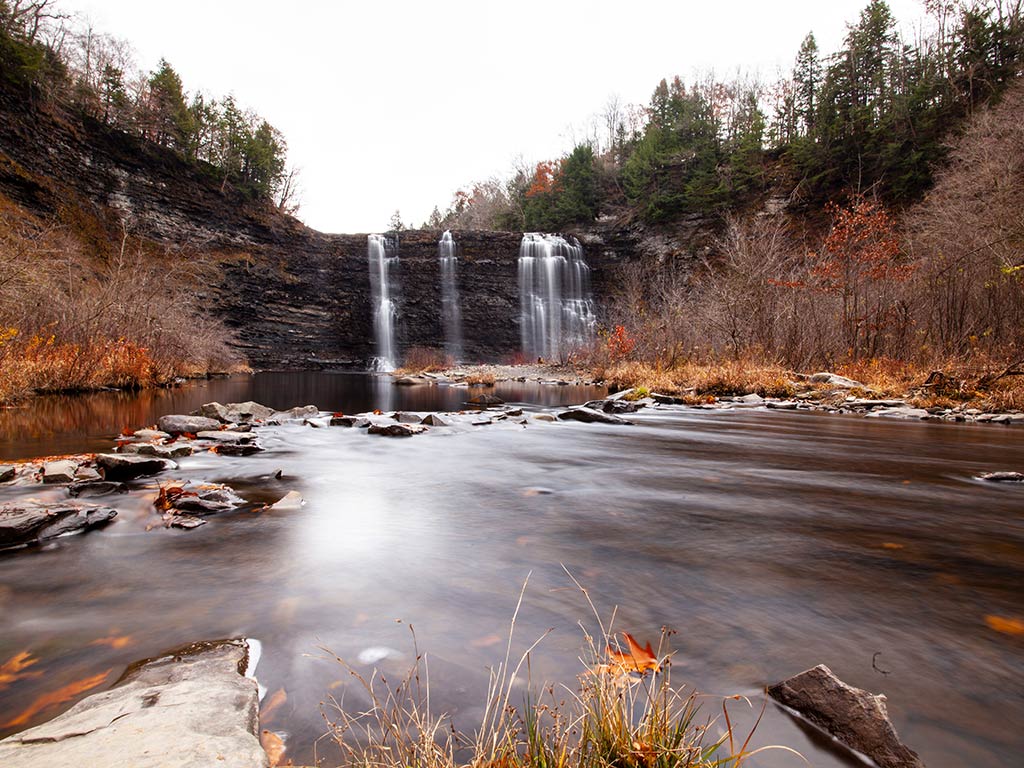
{"type": "Point", "coordinates": [636, 659]}
{"type": "Point", "coordinates": [273, 745]}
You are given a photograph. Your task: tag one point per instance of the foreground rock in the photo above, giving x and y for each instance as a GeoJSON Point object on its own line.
{"type": "Point", "coordinates": [190, 709]}
{"type": "Point", "coordinates": [591, 416]}
{"type": "Point", "coordinates": [24, 523]}
{"type": "Point", "coordinates": [855, 717]}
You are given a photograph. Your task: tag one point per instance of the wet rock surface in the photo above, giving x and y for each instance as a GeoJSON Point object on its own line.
{"type": "Point", "coordinates": [178, 424]}
{"type": "Point", "coordinates": [193, 708]}
{"type": "Point", "coordinates": [855, 717]}
{"type": "Point", "coordinates": [591, 416]}
{"type": "Point", "coordinates": [118, 466]}
{"type": "Point", "coordinates": [24, 523]}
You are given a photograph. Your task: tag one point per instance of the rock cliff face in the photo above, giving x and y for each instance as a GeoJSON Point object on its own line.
{"type": "Point", "coordinates": [296, 298]}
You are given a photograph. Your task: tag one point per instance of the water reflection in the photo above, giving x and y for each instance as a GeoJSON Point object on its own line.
{"type": "Point", "coordinates": [771, 541]}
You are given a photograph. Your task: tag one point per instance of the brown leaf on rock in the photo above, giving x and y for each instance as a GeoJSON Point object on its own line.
{"type": "Point", "coordinates": [60, 696]}
{"type": "Point", "coordinates": [273, 745]}
{"type": "Point", "coordinates": [14, 669]}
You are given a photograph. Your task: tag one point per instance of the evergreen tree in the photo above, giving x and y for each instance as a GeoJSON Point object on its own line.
{"type": "Point", "coordinates": [806, 82]}
{"type": "Point", "coordinates": [168, 120]}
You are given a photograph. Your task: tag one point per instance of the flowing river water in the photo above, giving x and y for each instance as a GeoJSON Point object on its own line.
{"type": "Point", "coordinates": [769, 541]}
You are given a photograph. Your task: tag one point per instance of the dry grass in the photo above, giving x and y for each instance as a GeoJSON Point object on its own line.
{"type": "Point", "coordinates": [604, 720]}
{"type": "Point", "coordinates": [943, 384]}
{"type": "Point", "coordinates": [480, 380]}
{"type": "Point", "coordinates": [424, 360]}
{"type": "Point", "coordinates": [82, 308]}
{"type": "Point", "coordinates": [702, 380]}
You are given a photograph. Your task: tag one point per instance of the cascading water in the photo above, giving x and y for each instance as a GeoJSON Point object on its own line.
{"type": "Point", "coordinates": [451, 315]}
{"type": "Point", "coordinates": [382, 254]}
{"type": "Point", "coordinates": [555, 308]}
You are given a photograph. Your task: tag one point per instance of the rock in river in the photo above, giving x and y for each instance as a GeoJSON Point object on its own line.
{"type": "Point", "coordinates": [591, 416]}
{"type": "Point", "coordinates": [1002, 477]}
{"type": "Point", "coordinates": [855, 717]}
{"type": "Point", "coordinates": [396, 430]}
{"type": "Point", "coordinates": [30, 522]}
{"type": "Point", "coordinates": [120, 466]}
{"type": "Point", "coordinates": [180, 424]}
{"type": "Point", "coordinates": [62, 471]}
{"type": "Point", "coordinates": [193, 708]}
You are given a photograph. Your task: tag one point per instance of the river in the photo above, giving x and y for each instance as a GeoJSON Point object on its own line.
{"type": "Point", "coordinates": [769, 541]}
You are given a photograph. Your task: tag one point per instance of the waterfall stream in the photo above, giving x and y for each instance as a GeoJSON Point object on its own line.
{"type": "Point", "coordinates": [382, 253]}
{"type": "Point", "coordinates": [451, 315]}
{"type": "Point", "coordinates": [556, 308]}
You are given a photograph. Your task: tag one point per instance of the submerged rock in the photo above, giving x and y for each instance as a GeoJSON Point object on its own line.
{"type": "Point", "coordinates": [87, 488]}
{"type": "Point", "coordinates": [855, 717]}
{"type": "Point", "coordinates": [1002, 477]}
{"type": "Point", "coordinates": [357, 422]}
{"type": "Point", "coordinates": [178, 424]}
{"type": "Point", "coordinates": [193, 708]}
{"type": "Point", "coordinates": [485, 399]}
{"type": "Point", "coordinates": [33, 522]}
{"type": "Point", "coordinates": [591, 416]}
{"type": "Point", "coordinates": [120, 466]}
{"type": "Point", "coordinates": [237, 449]}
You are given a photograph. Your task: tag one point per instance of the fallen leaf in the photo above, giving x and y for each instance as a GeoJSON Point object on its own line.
{"type": "Point", "coordinates": [637, 659]}
{"type": "Point", "coordinates": [1005, 625]}
{"type": "Point", "coordinates": [274, 702]}
{"type": "Point", "coordinates": [60, 696]}
{"type": "Point", "coordinates": [116, 642]}
{"type": "Point", "coordinates": [273, 745]}
{"type": "Point", "coordinates": [14, 669]}
{"type": "Point", "coordinates": [891, 545]}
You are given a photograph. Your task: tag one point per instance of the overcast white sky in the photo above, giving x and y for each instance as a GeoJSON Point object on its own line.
{"type": "Point", "coordinates": [394, 105]}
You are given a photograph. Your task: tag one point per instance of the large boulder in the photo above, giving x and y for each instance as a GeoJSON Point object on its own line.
{"type": "Point", "coordinates": [193, 708]}
{"type": "Point", "coordinates": [855, 717]}
{"type": "Point", "coordinates": [24, 523]}
{"type": "Point", "coordinates": [179, 424]}
{"type": "Point", "coordinates": [591, 416]}
{"type": "Point", "coordinates": [128, 466]}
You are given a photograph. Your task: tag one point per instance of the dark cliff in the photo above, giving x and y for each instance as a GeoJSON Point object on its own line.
{"type": "Point", "coordinates": [295, 297]}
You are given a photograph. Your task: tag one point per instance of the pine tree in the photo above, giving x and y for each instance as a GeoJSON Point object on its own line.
{"type": "Point", "coordinates": [807, 80]}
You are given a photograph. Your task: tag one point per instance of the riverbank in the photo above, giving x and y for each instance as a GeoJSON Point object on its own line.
{"type": "Point", "coordinates": [880, 387]}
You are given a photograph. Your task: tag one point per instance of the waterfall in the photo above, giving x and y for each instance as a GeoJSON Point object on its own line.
{"type": "Point", "coordinates": [556, 311]}
{"type": "Point", "coordinates": [451, 316]}
{"type": "Point", "coordinates": [383, 254]}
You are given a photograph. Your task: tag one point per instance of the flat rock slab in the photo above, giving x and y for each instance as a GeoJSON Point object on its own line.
{"type": "Point", "coordinates": [236, 413]}
{"type": "Point", "coordinates": [226, 436]}
{"type": "Point", "coordinates": [180, 424]}
{"type": "Point", "coordinates": [30, 523]}
{"type": "Point", "coordinates": [62, 471]}
{"type": "Point", "coordinates": [120, 466]}
{"type": "Point", "coordinates": [591, 416]}
{"type": "Point", "coordinates": [191, 709]}
{"type": "Point", "coordinates": [855, 717]}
